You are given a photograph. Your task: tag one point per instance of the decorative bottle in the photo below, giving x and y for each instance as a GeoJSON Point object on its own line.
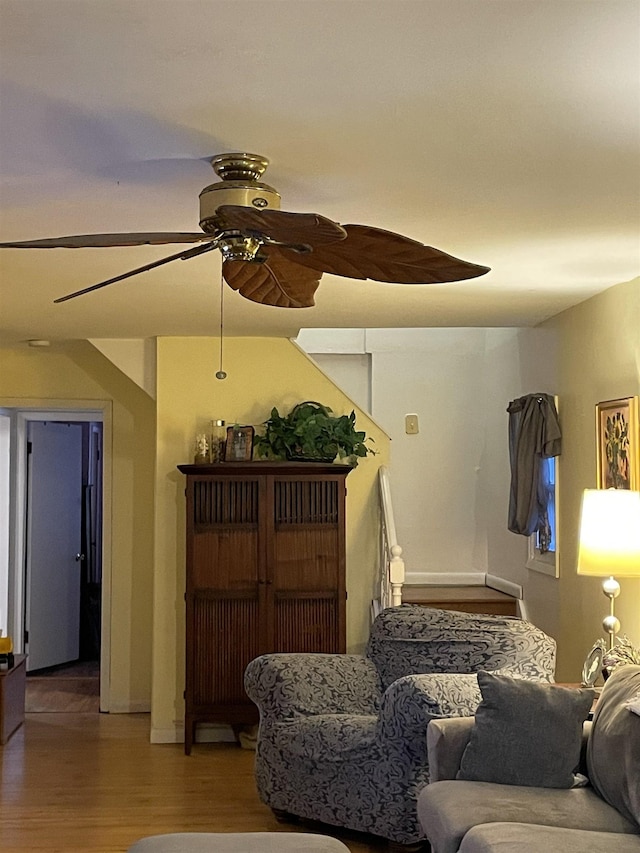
{"type": "Point", "coordinates": [201, 449]}
{"type": "Point", "coordinates": [218, 441]}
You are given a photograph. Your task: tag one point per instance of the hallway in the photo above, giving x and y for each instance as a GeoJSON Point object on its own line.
{"type": "Point", "coordinates": [69, 688]}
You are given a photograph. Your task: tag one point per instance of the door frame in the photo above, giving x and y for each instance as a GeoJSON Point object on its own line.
{"type": "Point", "coordinates": [99, 411]}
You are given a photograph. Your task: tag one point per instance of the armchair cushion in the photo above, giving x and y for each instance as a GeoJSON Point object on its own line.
{"type": "Point", "coordinates": [526, 733]}
{"type": "Point", "coordinates": [327, 737]}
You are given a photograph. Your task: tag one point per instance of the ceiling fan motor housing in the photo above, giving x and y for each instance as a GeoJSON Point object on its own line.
{"type": "Point", "coordinates": [242, 193]}
{"type": "Point", "coordinates": [239, 186]}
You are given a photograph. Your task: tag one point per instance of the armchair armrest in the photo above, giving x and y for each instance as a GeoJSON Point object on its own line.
{"type": "Point", "coordinates": [446, 742]}
{"type": "Point", "coordinates": [412, 701]}
{"type": "Point", "coordinates": [284, 686]}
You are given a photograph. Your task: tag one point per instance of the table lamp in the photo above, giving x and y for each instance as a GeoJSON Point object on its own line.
{"type": "Point", "coordinates": [610, 543]}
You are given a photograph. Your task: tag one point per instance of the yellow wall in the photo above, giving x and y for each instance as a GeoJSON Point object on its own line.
{"type": "Point", "coordinates": [599, 359]}
{"type": "Point", "coordinates": [147, 591]}
{"type": "Point", "coordinates": [75, 371]}
{"type": "Point", "coordinates": [262, 373]}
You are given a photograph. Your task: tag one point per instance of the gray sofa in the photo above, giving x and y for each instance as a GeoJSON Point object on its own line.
{"type": "Point", "coordinates": [599, 814]}
{"type": "Point", "coordinates": [342, 738]}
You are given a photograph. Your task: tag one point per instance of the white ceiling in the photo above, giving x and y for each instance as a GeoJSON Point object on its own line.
{"type": "Point", "coordinates": [502, 131]}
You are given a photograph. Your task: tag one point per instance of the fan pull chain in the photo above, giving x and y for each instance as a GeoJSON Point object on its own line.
{"type": "Point", "coordinates": [220, 374]}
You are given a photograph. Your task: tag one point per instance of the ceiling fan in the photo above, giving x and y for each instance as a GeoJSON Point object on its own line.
{"type": "Point", "coordinates": [274, 257]}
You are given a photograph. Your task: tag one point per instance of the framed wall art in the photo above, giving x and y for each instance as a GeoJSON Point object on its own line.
{"type": "Point", "coordinates": [617, 444]}
{"type": "Point", "coordinates": [239, 444]}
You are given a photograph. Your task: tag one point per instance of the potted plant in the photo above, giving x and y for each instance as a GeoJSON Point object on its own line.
{"type": "Point", "coordinates": [312, 433]}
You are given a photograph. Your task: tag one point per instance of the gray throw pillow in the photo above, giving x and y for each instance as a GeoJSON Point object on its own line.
{"type": "Point", "coordinates": [613, 749]}
{"type": "Point", "coordinates": [526, 733]}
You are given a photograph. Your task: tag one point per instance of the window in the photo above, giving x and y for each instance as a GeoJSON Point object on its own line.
{"type": "Point", "coordinates": [542, 555]}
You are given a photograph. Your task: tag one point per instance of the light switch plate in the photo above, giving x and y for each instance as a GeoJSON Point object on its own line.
{"type": "Point", "coordinates": [411, 426]}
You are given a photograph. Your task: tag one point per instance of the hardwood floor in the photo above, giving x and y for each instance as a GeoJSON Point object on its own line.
{"type": "Point", "coordinates": [73, 687]}
{"type": "Point", "coordinates": [93, 782]}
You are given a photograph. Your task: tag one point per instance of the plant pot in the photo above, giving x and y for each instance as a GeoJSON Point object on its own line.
{"type": "Point", "coordinates": [327, 459]}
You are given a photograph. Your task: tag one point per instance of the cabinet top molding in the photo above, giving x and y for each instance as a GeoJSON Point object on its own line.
{"type": "Point", "coordinates": [266, 468]}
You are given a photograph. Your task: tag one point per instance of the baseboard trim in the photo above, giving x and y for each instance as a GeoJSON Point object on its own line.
{"type": "Point", "coordinates": [130, 707]}
{"type": "Point", "coordinates": [207, 733]}
{"type": "Point", "coordinates": [502, 585]}
{"type": "Point", "coordinates": [166, 735]}
{"type": "Point", "coordinates": [445, 579]}
{"type": "Point", "coordinates": [464, 579]}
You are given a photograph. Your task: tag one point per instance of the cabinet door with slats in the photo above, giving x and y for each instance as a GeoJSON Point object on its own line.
{"type": "Point", "coordinates": [225, 589]}
{"type": "Point", "coordinates": [306, 563]}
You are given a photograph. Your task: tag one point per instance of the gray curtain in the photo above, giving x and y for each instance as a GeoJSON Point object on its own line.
{"type": "Point", "coordinates": [534, 433]}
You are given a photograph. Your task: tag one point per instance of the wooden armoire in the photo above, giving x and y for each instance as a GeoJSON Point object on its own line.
{"type": "Point", "coordinates": [265, 572]}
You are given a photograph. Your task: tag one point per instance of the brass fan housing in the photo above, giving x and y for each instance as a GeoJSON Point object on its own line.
{"type": "Point", "coordinates": [235, 247]}
{"type": "Point", "coordinates": [239, 186]}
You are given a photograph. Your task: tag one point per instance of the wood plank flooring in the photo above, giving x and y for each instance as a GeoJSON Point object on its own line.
{"type": "Point", "coordinates": [72, 687]}
{"type": "Point", "coordinates": [93, 782]}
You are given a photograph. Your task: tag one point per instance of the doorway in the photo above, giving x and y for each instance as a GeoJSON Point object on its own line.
{"type": "Point", "coordinates": [56, 604]}
{"type": "Point", "coordinates": [62, 566]}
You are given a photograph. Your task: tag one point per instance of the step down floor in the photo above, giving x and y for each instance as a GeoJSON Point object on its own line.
{"type": "Point", "coordinates": [469, 599]}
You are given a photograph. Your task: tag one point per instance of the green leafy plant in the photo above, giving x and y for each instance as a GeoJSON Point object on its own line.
{"type": "Point", "coordinates": [312, 432]}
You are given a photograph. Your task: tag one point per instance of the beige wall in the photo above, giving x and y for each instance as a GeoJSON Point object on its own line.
{"type": "Point", "coordinates": [262, 373]}
{"type": "Point", "coordinates": [599, 359]}
{"type": "Point", "coordinates": [450, 482]}
{"type": "Point", "coordinates": [72, 372]}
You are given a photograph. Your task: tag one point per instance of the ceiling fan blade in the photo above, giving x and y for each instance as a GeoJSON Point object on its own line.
{"type": "Point", "coordinates": [385, 256]}
{"type": "Point", "coordinates": [278, 281]}
{"type": "Point", "coordinates": [305, 228]}
{"type": "Point", "coordinates": [100, 241]}
{"type": "Point", "coordinates": [189, 253]}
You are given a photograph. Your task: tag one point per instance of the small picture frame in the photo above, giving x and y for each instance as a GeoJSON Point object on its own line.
{"type": "Point", "coordinates": [617, 443]}
{"type": "Point", "coordinates": [239, 444]}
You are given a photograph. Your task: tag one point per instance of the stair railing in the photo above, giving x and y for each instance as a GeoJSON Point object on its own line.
{"type": "Point", "coordinates": [391, 562]}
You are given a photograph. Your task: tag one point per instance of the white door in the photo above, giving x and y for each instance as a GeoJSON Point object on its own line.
{"type": "Point", "coordinates": [54, 567]}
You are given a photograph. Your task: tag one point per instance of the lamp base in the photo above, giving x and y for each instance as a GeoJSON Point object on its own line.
{"type": "Point", "coordinates": [611, 623]}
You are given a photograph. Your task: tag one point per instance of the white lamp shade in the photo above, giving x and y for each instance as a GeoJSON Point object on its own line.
{"type": "Point", "coordinates": [610, 533]}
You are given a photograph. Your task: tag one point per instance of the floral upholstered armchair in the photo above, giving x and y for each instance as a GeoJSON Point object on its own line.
{"type": "Point", "coordinates": [342, 738]}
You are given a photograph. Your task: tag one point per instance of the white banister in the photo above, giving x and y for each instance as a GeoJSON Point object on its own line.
{"type": "Point", "coordinates": [396, 574]}
{"type": "Point", "coordinates": [391, 562]}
